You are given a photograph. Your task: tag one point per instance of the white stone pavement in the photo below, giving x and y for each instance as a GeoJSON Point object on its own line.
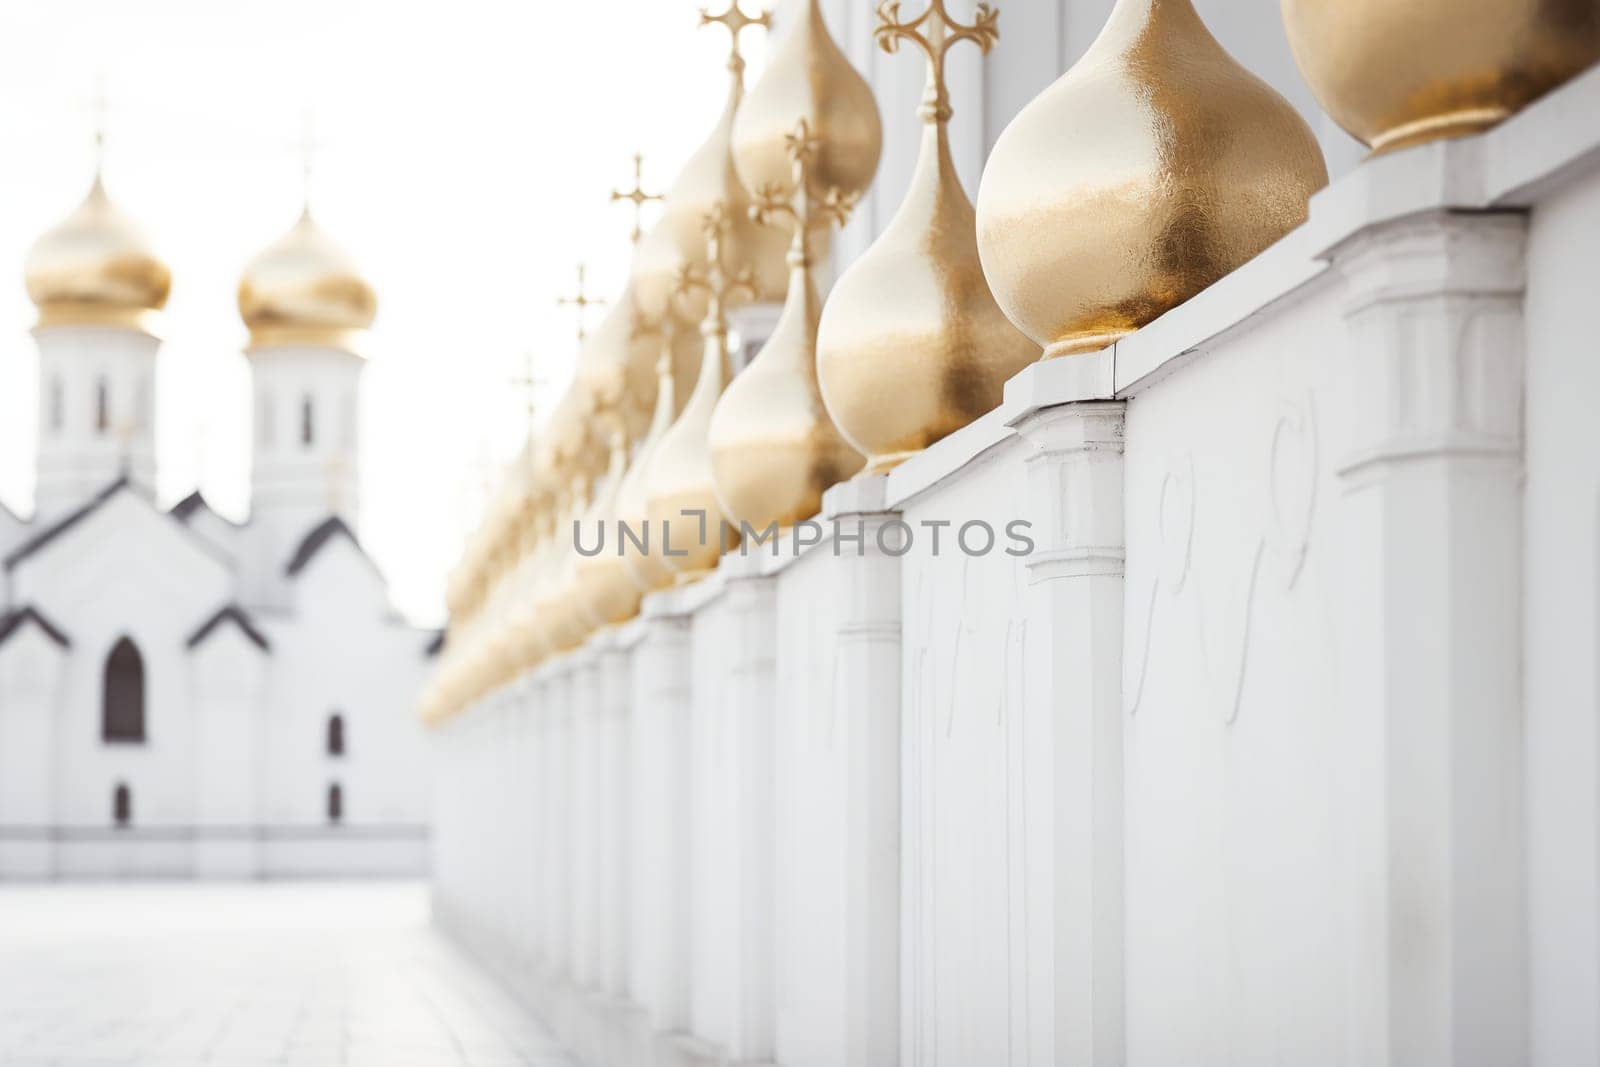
{"type": "Point", "coordinates": [239, 976]}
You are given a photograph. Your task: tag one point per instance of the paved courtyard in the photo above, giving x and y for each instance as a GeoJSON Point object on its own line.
{"type": "Point", "coordinates": [244, 976]}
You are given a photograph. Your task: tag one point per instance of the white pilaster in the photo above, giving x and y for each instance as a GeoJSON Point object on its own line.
{"type": "Point", "coordinates": [1430, 639]}
{"type": "Point", "coordinates": [867, 647]}
{"type": "Point", "coordinates": [658, 951]}
{"type": "Point", "coordinates": [1074, 698]}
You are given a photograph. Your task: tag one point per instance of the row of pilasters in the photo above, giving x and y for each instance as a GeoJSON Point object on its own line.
{"type": "Point", "coordinates": [715, 840]}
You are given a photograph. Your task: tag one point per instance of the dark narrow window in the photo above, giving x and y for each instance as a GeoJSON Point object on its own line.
{"type": "Point", "coordinates": [102, 406]}
{"type": "Point", "coordinates": [57, 406]}
{"type": "Point", "coordinates": [335, 734]}
{"type": "Point", "coordinates": [122, 704]}
{"type": "Point", "coordinates": [308, 428]}
{"type": "Point", "coordinates": [122, 806]}
{"type": "Point", "coordinates": [335, 804]}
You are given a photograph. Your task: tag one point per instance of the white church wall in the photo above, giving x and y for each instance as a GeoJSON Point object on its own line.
{"type": "Point", "coordinates": [964, 830]}
{"type": "Point", "coordinates": [1561, 636]}
{"type": "Point", "coordinates": [32, 669]}
{"type": "Point", "coordinates": [1232, 723]}
{"type": "Point", "coordinates": [228, 674]}
{"type": "Point", "coordinates": [121, 573]}
{"type": "Point", "coordinates": [340, 628]}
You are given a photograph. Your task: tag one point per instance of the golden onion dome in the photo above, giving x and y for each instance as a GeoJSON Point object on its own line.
{"type": "Point", "coordinates": [645, 565]}
{"type": "Point", "coordinates": [606, 591]}
{"type": "Point", "coordinates": [808, 78]}
{"type": "Point", "coordinates": [774, 448]}
{"type": "Point", "coordinates": [1398, 74]}
{"type": "Point", "coordinates": [304, 289]}
{"type": "Point", "coordinates": [617, 366]}
{"type": "Point", "coordinates": [1151, 169]}
{"type": "Point", "coordinates": [912, 345]}
{"type": "Point", "coordinates": [681, 484]}
{"type": "Point", "coordinates": [96, 268]}
{"type": "Point", "coordinates": [678, 239]}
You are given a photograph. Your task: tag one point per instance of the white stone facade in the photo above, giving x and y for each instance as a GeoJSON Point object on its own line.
{"type": "Point", "coordinates": [1279, 746]}
{"type": "Point", "coordinates": [252, 645]}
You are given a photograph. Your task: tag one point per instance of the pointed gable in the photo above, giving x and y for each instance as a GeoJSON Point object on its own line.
{"type": "Point", "coordinates": [319, 538]}
{"type": "Point", "coordinates": [234, 615]}
{"type": "Point", "coordinates": [13, 622]}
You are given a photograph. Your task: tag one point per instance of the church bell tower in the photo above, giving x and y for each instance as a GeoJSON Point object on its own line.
{"type": "Point", "coordinates": [98, 288]}
{"type": "Point", "coordinates": [307, 307]}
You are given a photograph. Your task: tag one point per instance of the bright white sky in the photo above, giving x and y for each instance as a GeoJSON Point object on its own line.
{"type": "Point", "coordinates": [467, 152]}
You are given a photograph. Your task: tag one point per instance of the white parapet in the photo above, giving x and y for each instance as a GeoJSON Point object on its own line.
{"type": "Point", "coordinates": [1227, 696]}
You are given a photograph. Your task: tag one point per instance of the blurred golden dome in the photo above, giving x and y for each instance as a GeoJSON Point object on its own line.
{"type": "Point", "coordinates": [96, 268]}
{"type": "Point", "coordinates": [807, 77]}
{"type": "Point", "coordinates": [305, 289]}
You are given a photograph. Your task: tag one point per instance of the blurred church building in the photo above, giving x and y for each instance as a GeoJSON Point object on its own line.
{"type": "Point", "coordinates": [180, 694]}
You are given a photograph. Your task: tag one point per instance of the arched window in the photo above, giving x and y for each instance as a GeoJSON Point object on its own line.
{"type": "Point", "coordinates": [308, 429]}
{"type": "Point", "coordinates": [335, 804]}
{"type": "Point", "coordinates": [102, 406]}
{"type": "Point", "coordinates": [122, 805]}
{"type": "Point", "coordinates": [122, 704]}
{"type": "Point", "coordinates": [336, 734]}
{"type": "Point", "coordinates": [57, 406]}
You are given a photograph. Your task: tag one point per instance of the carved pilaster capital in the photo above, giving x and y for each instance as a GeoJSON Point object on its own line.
{"type": "Point", "coordinates": [1075, 490]}
{"type": "Point", "coordinates": [1433, 305]}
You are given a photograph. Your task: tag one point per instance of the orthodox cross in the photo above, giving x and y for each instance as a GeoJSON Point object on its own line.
{"type": "Point", "coordinates": [935, 32]}
{"type": "Point", "coordinates": [803, 210]}
{"type": "Point", "coordinates": [637, 197]}
{"type": "Point", "coordinates": [582, 301]}
{"type": "Point", "coordinates": [721, 285]}
{"type": "Point", "coordinates": [531, 384]}
{"type": "Point", "coordinates": [99, 116]}
{"type": "Point", "coordinates": [735, 21]}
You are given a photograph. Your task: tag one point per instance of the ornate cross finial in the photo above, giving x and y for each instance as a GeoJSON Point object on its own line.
{"type": "Point", "coordinates": [736, 22]}
{"type": "Point", "coordinates": [99, 117]}
{"type": "Point", "coordinates": [636, 196]}
{"type": "Point", "coordinates": [582, 301]}
{"type": "Point", "coordinates": [721, 285]}
{"type": "Point", "coordinates": [935, 32]}
{"type": "Point", "coordinates": [803, 210]}
{"type": "Point", "coordinates": [531, 384]}
{"type": "Point", "coordinates": [308, 153]}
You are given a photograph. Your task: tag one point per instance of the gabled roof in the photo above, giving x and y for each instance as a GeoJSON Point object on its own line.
{"type": "Point", "coordinates": [235, 614]}
{"type": "Point", "coordinates": [185, 509]}
{"type": "Point", "coordinates": [61, 526]}
{"type": "Point", "coordinates": [12, 621]}
{"type": "Point", "coordinates": [319, 538]}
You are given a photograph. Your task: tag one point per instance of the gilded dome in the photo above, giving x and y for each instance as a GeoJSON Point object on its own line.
{"type": "Point", "coordinates": [1396, 75]}
{"type": "Point", "coordinates": [678, 240]}
{"type": "Point", "coordinates": [305, 289]}
{"type": "Point", "coordinates": [1151, 169]}
{"type": "Point", "coordinates": [96, 268]}
{"type": "Point", "coordinates": [807, 77]}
